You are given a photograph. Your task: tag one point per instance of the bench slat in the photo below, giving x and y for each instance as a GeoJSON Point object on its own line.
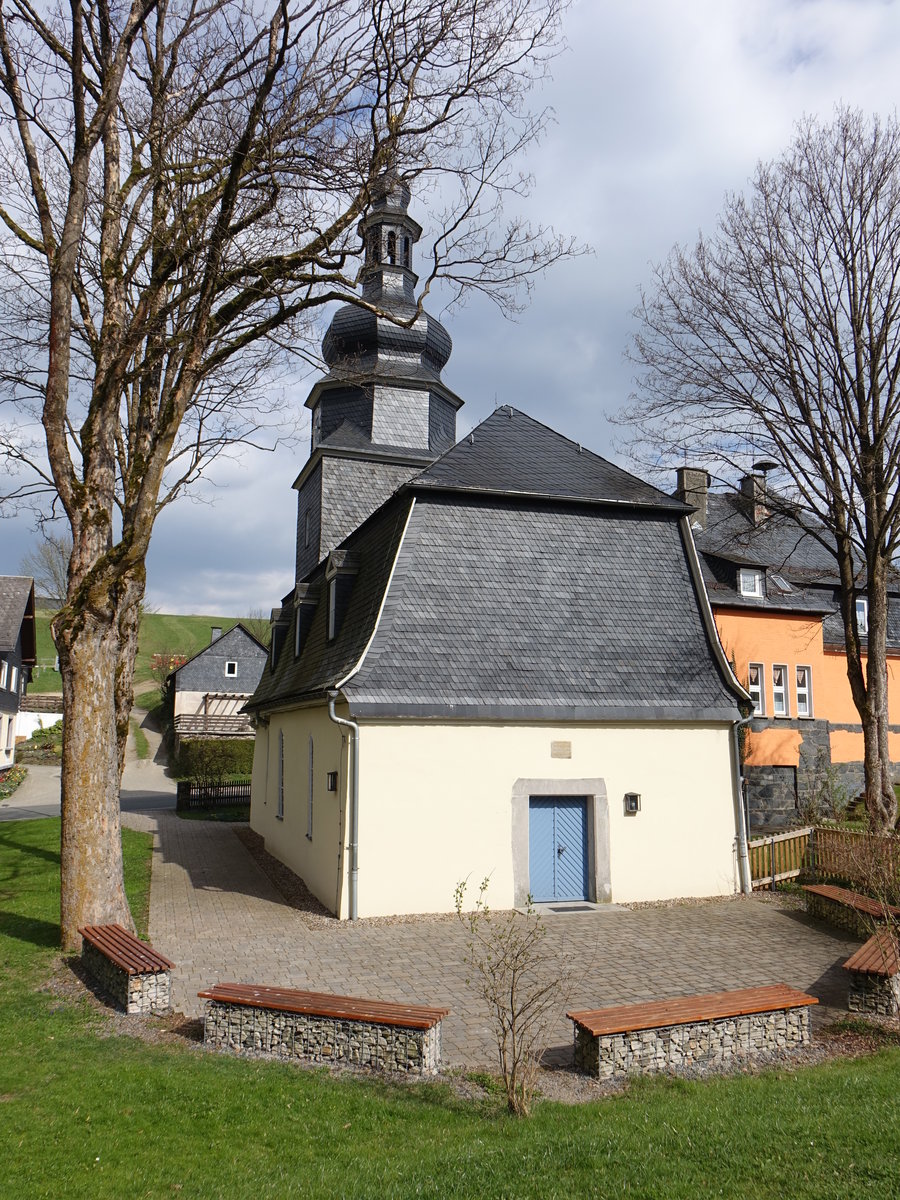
{"type": "Point", "coordinates": [125, 950]}
{"type": "Point", "coordinates": [878, 956]}
{"type": "Point", "coordinates": [323, 1004]}
{"type": "Point", "coordinates": [683, 1010]}
{"type": "Point", "coordinates": [863, 904]}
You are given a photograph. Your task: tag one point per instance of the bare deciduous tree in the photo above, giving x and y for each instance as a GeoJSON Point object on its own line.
{"type": "Point", "coordinates": [48, 565]}
{"type": "Point", "coordinates": [182, 185]}
{"type": "Point", "coordinates": [779, 337]}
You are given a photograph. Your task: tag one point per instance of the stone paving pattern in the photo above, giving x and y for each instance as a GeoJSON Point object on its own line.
{"type": "Point", "coordinates": [219, 918]}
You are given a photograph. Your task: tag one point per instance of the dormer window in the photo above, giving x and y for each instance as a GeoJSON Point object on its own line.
{"type": "Point", "coordinates": [340, 573]}
{"type": "Point", "coordinates": [750, 581]}
{"type": "Point", "coordinates": [862, 614]}
{"type": "Point", "coordinates": [332, 608]}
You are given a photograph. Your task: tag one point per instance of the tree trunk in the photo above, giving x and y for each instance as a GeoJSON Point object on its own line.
{"type": "Point", "coordinates": [881, 800]}
{"type": "Point", "coordinates": [96, 658]}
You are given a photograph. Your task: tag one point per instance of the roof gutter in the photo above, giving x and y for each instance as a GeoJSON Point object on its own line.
{"type": "Point", "coordinates": [353, 800]}
{"type": "Point", "coordinates": [740, 815]}
{"type": "Point", "coordinates": [740, 819]}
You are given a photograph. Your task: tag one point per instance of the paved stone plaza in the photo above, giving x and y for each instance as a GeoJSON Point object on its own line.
{"type": "Point", "coordinates": [218, 917]}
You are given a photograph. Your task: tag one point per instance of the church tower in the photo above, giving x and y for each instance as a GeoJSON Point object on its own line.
{"type": "Point", "coordinates": [381, 414]}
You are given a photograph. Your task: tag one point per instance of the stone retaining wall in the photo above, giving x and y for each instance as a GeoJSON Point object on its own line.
{"type": "Point", "coordinates": [678, 1048]}
{"type": "Point", "coordinates": [878, 994]}
{"type": "Point", "coordinates": [239, 1027]}
{"type": "Point", "coordinates": [147, 994]}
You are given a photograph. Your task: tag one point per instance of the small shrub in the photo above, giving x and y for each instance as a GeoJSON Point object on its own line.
{"type": "Point", "coordinates": [521, 984]}
{"type": "Point", "coordinates": [44, 746]}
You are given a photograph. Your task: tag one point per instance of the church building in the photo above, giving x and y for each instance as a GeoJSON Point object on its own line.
{"type": "Point", "coordinates": [497, 660]}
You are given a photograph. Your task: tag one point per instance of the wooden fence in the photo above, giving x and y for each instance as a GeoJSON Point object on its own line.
{"type": "Point", "coordinates": [212, 795]}
{"type": "Point", "coordinates": [862, 860]}
{"type": "Point", "coordinates": [780, 856]}
{"type": "Point", "coordinates": [870, 862]}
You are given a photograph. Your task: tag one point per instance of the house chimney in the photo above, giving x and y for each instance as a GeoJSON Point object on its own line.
{"type": "Point", "coordinates": [215, 634]}
{"type": "Point", "coordinates": [753, 491]}
{"type": "Point", "coordinates": [693, 488]}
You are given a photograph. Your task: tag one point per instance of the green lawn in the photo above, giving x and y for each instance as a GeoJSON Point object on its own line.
{"type": "Point", "coordinates": [161, 633]}
{"type": "Point", "coordinates": [88, 1115]}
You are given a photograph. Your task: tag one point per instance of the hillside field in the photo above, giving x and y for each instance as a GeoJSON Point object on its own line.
{"type": "Point", "coordinates": [161, 633]}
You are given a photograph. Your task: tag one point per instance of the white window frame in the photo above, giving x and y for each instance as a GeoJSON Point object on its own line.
{"type": "Point", "coordinates": [862, 614]}
{"type": "Point", "coordinates": [11, 735]}
{"type": "Point", "coordinates": [279, 811]}
{"type": "Point", "coordinates": [4, 672]}
{"type": "Point", "coordinates": [13, 678]}
{"type": "Point", "coordinates": [783, 692]}
{"type": "Point", "coordinates": [750, 581]}
{"type": "Point", "coordinates": [759, 703]}
{"type": "Point", "coordinates": [804, 692]}
{"type": "Point", "coordinates": [309, 801]}
{"type": "Point", "coordinates": [230, 662]}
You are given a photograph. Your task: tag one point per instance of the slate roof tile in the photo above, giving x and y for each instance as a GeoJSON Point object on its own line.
{"type": "Point", "coordinates": [511, 453]}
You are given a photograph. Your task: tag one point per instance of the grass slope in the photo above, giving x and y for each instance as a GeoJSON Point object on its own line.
{"type": "Point", "coordinates": [161, 633]}
{"type": "Point", "coordinates": [88, 1115]}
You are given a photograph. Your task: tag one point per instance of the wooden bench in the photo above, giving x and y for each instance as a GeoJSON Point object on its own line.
{"type": "Point", "coordinates": [875, 975]}
{"type": "Point", "coordinates": [846, 909]}
{"type": "Point", "coordinates": [321, 1027]}
{"type": "Point", "coordinates": [132, 973]}
{"type": "Point", "coordinates": [689, 1031]}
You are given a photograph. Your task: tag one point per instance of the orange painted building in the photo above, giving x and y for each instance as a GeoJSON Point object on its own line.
{"type": "Point", "coordinates": [775, 594]}
{"type": "Point", "coordinates": [772, 639]}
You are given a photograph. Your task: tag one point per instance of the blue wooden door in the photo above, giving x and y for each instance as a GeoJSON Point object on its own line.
{"type": "Point", "coordinates": [557, 848]}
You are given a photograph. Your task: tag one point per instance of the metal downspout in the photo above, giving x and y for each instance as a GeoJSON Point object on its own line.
{"type": "Point", "coordinates": [740, 820]}
{"type": "Point", "coordinates": [353, 754]}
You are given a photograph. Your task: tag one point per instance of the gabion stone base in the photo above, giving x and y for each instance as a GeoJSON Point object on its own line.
{"type": "Point", "coordinates": [840, 915]}
{"type": "Point", "coordinates": [148, 994]}
{"type": "Point", "coordinates": [876, 994]}
{"type": "Point", "coordinates": [678, 1048]}
{"type": "Point", "coordinates": [239, 1027]}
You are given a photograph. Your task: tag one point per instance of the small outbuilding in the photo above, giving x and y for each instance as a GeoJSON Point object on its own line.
{"type": "Point", "coordinates": [210, 689]}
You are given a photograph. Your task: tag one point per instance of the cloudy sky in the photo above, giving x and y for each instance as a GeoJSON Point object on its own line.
{"type": "Point", "coordinates": [661, 109]}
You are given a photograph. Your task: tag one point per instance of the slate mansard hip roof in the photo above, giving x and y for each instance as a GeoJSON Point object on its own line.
{"type": "Point", "coordinates": [518, 578]}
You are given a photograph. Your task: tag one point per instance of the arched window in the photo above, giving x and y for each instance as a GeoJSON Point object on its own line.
{"type": "Point", "coordinates": [406, 254]}
{"type": "Point", "coordinates": [375, 246]}
{"type": "Point", "coordinates": [392, 247]}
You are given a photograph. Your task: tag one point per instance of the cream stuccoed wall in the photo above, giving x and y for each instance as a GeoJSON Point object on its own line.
{"type": "Point", "coordinates": [318, 860]}
{"type": "Point", "coordinates": [443, 802]}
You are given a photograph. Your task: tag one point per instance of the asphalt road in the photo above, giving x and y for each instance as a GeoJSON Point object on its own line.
{"type": "Point", "coordinates": [145, 787]}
